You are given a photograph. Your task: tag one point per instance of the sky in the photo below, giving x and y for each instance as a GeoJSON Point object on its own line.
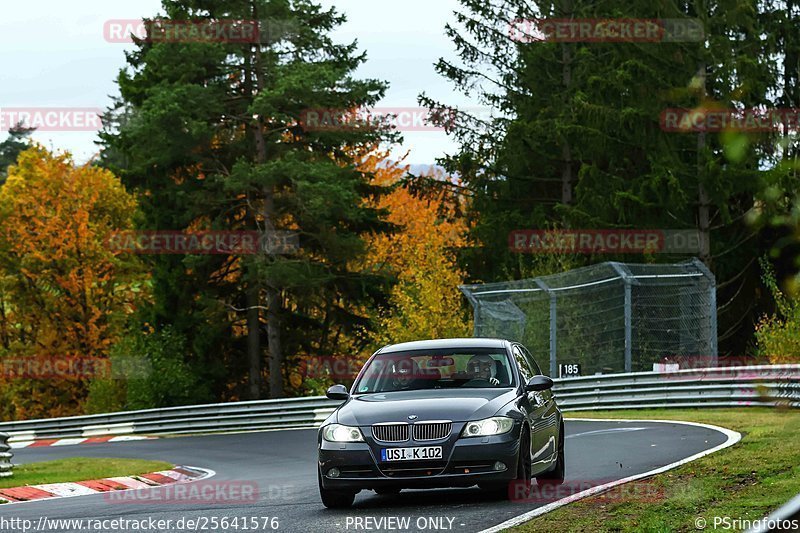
{"type": "Point", "coordinates": [55, 54]}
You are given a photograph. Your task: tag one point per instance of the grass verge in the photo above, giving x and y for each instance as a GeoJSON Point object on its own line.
{"type": "Point", "coordinates": [746, 481]}
{"type": "Point", "coordinates": [79, 469]}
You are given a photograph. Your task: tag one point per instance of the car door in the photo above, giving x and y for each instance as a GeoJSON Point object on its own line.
{"type": "Point", "coordinates": [533, 402]}
{"type": "Point", "coordinates": [546, 434]}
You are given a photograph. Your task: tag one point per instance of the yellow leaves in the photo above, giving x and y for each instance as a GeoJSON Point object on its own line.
{"type": "Point", "coordinates": [779, 339]}
{"type": "Point", "coordinates": [67, 290]}
{"type": "Point", "coordinates": [426, 302]}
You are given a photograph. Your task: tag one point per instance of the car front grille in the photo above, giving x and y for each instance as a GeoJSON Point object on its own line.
{"type": "Point", "coordinates": [390, 432]}
{"type": "Point", "coordinates": [432, 430]}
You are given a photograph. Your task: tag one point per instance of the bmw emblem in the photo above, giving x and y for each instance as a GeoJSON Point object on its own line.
{"type": "Point", "coordinates": [412, 417]}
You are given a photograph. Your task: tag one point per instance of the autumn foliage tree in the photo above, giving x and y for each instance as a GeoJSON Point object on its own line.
{"type": "Point", "coordinates": [425, 302]}
{"type": "Point", "coordinates": [778, 335]}
{"type": "Point", "coordinates": [419, 256]}
{"type": "Point", "coordinates": [63, 291]}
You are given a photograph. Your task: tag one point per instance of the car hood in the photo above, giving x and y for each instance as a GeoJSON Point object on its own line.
{"type": "Point", "coordinates": [458, 405]}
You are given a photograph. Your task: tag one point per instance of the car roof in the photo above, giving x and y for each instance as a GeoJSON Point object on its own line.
{"type": "Point", "coordinates": [433, 344]}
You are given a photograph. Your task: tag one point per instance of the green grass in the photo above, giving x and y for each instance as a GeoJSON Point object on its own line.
{"type": "Point", "coordinates": [745, 481]}
{"type": "Point", "coordinates": [79, 469]}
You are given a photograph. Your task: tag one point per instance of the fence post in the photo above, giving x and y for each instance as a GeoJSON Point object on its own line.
{"type": "Point", "coordinates": [712, 305]}
{"type": "Point", "coordinates": [712, 293]}
{"type": "Point", "coordinates": [623, 273]}
{"type": "Point", "coordinates": [5, 456]}
{"type": "Point", "coordinates": [553, 327]}
{"type": "Point", "coordinates": [475, 305]}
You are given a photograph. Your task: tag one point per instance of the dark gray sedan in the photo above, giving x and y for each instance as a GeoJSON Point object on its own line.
{"type": "Point", "coordinates": [442, 413]}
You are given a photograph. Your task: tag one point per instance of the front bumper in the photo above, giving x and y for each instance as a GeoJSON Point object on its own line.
{"type": "Point", "coordinates": [465, 462]}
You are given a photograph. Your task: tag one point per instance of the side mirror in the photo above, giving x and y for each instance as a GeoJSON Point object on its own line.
{"type": "Point", "coordinates": [538, 383]}
{"type": "Point", "coordinates": [337, 392]}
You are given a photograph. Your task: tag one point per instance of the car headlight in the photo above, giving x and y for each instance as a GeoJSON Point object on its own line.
{"type": "Point", "coordinates": [340, 433]}
{"type": "Point", "coordinates": [497, 425]}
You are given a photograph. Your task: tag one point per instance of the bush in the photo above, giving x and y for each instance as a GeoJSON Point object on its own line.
{"type": "Point", "coordinates": [149, 370]}
{"type": "Point", "coordinates": [30, 398]}
{"type": "Point", "coordinates": [778, 335]}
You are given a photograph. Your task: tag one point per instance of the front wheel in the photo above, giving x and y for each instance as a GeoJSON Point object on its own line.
{"type": "Point", "coordinates": [522, 482]}
{"type": "Point", "coordinates": [335, 499]}
{"type": "Point", "coordinates": [556, 475]}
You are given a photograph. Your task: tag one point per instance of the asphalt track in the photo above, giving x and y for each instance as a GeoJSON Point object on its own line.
{"type": "Point", "coordinates": [282, 464]}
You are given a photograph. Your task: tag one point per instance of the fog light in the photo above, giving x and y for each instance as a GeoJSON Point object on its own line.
{"type": "Point", "coordinates": [499, 467]}
{"type": "Point", "coordinates": [333, 472]}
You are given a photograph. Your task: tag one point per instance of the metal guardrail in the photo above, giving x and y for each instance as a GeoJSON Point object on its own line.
{"type": "Point", "coordinates": [776, 385]}
{"type": "Point", "coordinates": [6, 467]}
{"type": "Point", "coordinates": [736, 386]}
{"type": "Point", "coordinates": [211, 418]}
{"type": "Point", "coordinates": [787, 518]}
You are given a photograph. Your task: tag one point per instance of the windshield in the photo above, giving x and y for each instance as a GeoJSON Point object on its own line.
{"type": "Point", "coordinates": [435, 369]}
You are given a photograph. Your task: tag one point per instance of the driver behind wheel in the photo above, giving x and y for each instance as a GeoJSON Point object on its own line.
{"type": "Point", "coordinates": [483, 367]}
{"type": "Point", "coordinates": [404, 373]}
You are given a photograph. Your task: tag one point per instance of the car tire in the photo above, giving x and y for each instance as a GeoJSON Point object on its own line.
{"type": "Point", "coordinates": [387, 492]}
{"type": "Point", "coordinates": [556, 475]}
{"type": "Point", "coordinates": [335, 499]}
{"type": "Point", "coordinates": [524, 469]}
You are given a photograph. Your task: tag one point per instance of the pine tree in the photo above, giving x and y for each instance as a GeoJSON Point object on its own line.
{"type": "Point", "coordinates": [212, 135]}
{"type": "Point", "coordinates": [10, 148]}
{"type": "Point", "coordinates": [578, 140]}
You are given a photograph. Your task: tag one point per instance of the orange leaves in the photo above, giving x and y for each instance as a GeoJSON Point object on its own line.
{"type": "Point", "coordinates": [426, 302]}
{"type": "Point", "coordinates": [65, 290]}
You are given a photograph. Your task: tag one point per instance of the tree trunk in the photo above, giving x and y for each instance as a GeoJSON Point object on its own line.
{"type": "Point", "coordinates": [274, 340]}
{"type": "Point", "coordinates": [273, 295]}
{"type": "Point", "coordinates": [253, 289]}
{"type": "Point", "coordinates": [703, 202]}
{"type": "Point", "coordinates": [253, 343]}
{"type": "Point", "coordinates": [703, 222]}
{"type": "Point", "coordinates": [566, 152]}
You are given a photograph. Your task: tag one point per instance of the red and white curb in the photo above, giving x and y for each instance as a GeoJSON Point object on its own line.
{"type": "Point", "coordinates": [75, 440]}
{"type": "Point", "coordinates": [179, 474]}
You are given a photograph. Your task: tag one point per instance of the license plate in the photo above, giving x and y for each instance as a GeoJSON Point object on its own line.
{"type": "Point", "coordinates": [411, 454]}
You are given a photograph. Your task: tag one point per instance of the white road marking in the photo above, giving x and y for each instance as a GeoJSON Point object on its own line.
{"type": "Point", "coordinates": [602, 431]}
{"type": "Point", "coordinates": [732, 438]}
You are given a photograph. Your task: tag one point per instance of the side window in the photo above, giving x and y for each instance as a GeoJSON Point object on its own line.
{"type": "Point", "coordinates": [530, 358]}
{"type": "Point", "coordinates": [522, 363]}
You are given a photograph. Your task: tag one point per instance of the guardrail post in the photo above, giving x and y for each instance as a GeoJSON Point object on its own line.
{"type": "Point", "coordinates": [6, 467]}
